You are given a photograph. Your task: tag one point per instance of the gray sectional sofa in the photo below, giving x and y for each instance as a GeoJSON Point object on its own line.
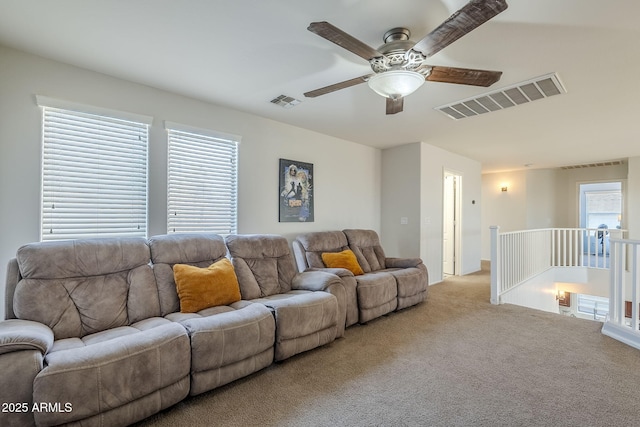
{"type": "Point", "coordinates": [95, 334]}
{"type": "Point", "coordinates": [387, 284]}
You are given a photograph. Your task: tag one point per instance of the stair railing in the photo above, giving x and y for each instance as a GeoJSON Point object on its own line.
{"type": "Point", "coordinates": [521, 255]}
{"type": "Point", "coordinates": [623, 322]}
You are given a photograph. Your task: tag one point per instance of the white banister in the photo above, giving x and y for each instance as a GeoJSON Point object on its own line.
{"type": "Point", "coordinates": [624, 288]}
{"type": "Point", "coordinates": [495, 264]}
{"type": "Point", "coordinates": [521, 255]}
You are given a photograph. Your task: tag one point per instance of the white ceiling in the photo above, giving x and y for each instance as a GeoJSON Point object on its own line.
{"type": "Point", "coordinates": [243, 53]}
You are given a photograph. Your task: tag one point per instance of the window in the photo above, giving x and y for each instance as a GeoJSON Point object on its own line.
{"type": "Point", "coordinates": [94, 175]}
{"type": "Point", "coordinates": [601, 205]}
{"type": "Point", "coordinates": [597, 307]}
{"type": "Point", "coordinates": [202, 182]}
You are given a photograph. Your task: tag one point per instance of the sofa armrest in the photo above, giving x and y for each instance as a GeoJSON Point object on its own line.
{"type": "Point", "coordinates": [340, 272]}
{"type": "Point", "coordinates": [17, 335]}
{"type": "Point", "coordinates": [315, 280]}
{"type": "Point", "coordinates": [402, 262]}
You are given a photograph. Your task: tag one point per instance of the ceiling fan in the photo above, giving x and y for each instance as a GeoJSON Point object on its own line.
{"type": "Point", "coordinates": [398, 65]}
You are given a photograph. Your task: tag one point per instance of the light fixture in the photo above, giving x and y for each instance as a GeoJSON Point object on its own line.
{"type": "Point", "coordinates": [396, 84]}
{"type": "Point", "coordinates": [504, 188]}
{"type": "Point", "coordinates": [564, 298]}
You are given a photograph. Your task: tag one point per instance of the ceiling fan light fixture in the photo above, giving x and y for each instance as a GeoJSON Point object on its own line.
{"type": "Point", "coordinates": [396, 84]}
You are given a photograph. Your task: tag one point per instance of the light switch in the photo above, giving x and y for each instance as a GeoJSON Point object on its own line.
{"type": "Point", "coordinates": [404, 220]}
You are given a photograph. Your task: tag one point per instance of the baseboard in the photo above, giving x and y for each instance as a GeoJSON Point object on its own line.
{"type": "Point", "coordinates": [624, 334]}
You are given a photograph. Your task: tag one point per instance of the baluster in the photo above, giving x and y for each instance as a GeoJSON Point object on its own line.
{"type": "Point", "coordinates": [634, 290]}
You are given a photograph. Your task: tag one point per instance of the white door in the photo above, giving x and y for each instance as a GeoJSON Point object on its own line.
{"type": "Point", "coordinates": [449, 225]}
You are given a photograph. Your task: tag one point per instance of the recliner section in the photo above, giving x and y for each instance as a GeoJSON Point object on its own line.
{"type": "Point", "coordinates": [267, 275]}
{"type": "Point", "coordinates": [388, 283]}
{"type": "Point", "coordinates": [227, 342]}
{"type": "Point", "coordinates": [108, 355]}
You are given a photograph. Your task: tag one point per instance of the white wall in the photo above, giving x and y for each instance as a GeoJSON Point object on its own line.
{"type": "Point", "coordinates": [632, 218]}
{"type": "Point", "coordinates": [413, 188]}
{"type": "Point", "coordinates": [506, 209]}
{"type": "Point", "coordinates": [540, 291]}
{"type": "Point", "coordinates": [434, 161]}
{"type": "Point", "coordinates": [541, 194]}
{"type": "Point", "coordinates": [353, 202]}
{"type": "Point", "coordinates": [538, 198]}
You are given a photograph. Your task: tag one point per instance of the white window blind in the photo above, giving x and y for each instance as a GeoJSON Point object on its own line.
{"type": "Point", "coordinates": [202, 182]}
{"type": "Point", "coordinates": [595, 306]}
{"type": "Point", "coordinates": [94, 176]}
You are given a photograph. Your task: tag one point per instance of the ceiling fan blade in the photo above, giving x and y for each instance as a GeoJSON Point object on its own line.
{"type": "Point", "coordinates": [463, 76]}
{"type": "Point", "coordinates": [394, 105]}
{"type": "Point", "coordinates": [344, 40]}
{"type": "Point", "coordinates": [470, 17]}
{"type": "Point", "coordinates": [337, 86]}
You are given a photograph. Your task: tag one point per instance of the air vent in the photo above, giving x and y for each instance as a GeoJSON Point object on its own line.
{"type": "Point", "coordinates": [285, 101]}
{"type": "Point", "coordinates": [518, 94]}
{"type": "Point", "coordinates": [594, 165]}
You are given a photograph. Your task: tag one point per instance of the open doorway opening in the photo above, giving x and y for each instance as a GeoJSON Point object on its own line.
{"type": "Point", "coordinates": [451, 224]}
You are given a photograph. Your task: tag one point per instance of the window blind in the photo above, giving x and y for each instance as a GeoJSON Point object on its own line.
{"type": "Point", "coordinates": [202, 182]}
{"type": "Point", "coordinates": [596, 306]}
{"type": "Point", "coordinates": [94, 176]}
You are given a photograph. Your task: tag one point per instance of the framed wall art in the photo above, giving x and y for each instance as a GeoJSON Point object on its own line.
{"type": "Point", "coordinates": [296, 191]}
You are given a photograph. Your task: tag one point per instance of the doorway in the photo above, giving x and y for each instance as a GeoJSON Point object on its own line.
{"type": "Point", "coordinates": [451, 224]}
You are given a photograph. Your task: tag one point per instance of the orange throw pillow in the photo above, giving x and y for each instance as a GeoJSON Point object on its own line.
{"type": "Point", "coordinates": [345, 259]}
{"type": "Point", "coordinates": [200, 288]}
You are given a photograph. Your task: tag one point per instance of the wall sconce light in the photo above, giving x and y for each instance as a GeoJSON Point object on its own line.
{"type": "Point", "coordinates": [564, 298]}
{"type": "Point", "coordinates": [504, 188]}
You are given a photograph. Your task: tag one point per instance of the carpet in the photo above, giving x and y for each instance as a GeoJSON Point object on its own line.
{"type": "Point", "coordinates": [454, 360]}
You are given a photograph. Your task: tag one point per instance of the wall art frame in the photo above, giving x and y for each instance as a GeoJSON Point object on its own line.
{"type": "Point", "coordinates": [295, 191]}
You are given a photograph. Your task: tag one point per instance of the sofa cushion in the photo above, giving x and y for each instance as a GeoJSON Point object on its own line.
{"type": "Point", "coordinates": [227, 342]}
{"type": "Point", "coordinates": [366, 245]}
{"type": "Point", "coordinates": [197, 249]}
{"type": "Point", "coordinates": [316, 243]}
{"type": "Point", "coordinates": [200, 288]}
{"type": "Point", "coordinates": [264, 264]}
{"type": "Point", "coordinates": [79, 287]}
{"type": "Point", "coordinates": [304, 320]}
{"type": "Point", "coordinates": [109, 334]}
{"type": "Point", "coordinates": [230, 337]}
{"type": "Point", "coordinates": [112, 373]}
{"type": "Point", "coordinates": [344, 259]}
{"type": "Point", "coordinates": [300, 313]}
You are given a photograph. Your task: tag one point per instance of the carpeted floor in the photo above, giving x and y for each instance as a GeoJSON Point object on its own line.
{"type": "Point", "coordinates": [455, 360]}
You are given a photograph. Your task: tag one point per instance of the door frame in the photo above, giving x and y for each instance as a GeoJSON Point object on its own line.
{"type": "Point", "coordinates": [457, 219]}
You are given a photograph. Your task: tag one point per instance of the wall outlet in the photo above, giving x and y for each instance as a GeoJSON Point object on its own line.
{"type": "Point", "coordinates": [404, 220]}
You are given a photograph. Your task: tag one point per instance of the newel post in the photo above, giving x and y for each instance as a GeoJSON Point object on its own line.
{"type": "Point", "coordinates": [495, 283]}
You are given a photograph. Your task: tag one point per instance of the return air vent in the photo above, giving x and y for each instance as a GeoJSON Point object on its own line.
{"type": "Point", "coordinates": [518, 94]}
{"type": "Point", "coordinates": [285, 101]}
{"type": "Point", "coordinates": [595, 164]}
